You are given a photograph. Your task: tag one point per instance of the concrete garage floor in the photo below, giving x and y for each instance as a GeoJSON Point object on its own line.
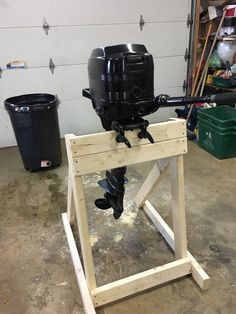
{"type": "Point", "coordinates": [36, 272]}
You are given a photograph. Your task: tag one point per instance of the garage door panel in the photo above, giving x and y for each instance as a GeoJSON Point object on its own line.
{"type": "Point", "coordinates": [62, 12]}
{"type": "Point", "coordinates": [162, 115]}
{"type": "Point", "coordinates": [66, 45]}
{"type": "Point", "coordinates": [68, 81]}
{"type": "Point", "coordinates": [7, 135]}
{"type": "Point", "coordinates": [154, 37]}
{"type": "Point", "coordinates": [29, 45]}
{"type": "Point", "coordinates": [78, 117]}
{"type": "Point", "coordinates": [18, 82]}
{"type": "Point", "coordinates": [169, 72]}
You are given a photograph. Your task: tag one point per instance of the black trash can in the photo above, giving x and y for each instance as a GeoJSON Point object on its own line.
{"type": "Point", "coordinates": [34, 119]}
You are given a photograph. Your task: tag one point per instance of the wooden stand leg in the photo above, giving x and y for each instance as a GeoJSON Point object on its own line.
{"type": "Point", "coordinates": [178, 203]}
{"type": "Point", "coordinates": [177, 239]}
{"type": "Point", "coordinates": [77, 191]}
{"type": "Point", "coordinates": [84, 236]}
{"type": "Point", "coordinates": [151, 181]}
{"type": "Point", "coordinates": [84, 291]}
{"type": "Point", "coordinates": [70, 202]}
{"type": "Point", "coordinates": [198, 273]}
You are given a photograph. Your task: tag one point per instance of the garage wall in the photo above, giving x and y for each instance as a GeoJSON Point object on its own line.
{"type": "Point", "coordinates": [76, 27]}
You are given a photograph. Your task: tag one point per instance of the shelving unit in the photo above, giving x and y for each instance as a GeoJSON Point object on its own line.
{"type": "Point", "coordinates": [201, 29]}
{"type": "Point", "coordinates": [221, 88]}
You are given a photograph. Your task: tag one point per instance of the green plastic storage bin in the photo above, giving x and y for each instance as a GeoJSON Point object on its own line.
{"type": "Point", "coordinates": [222, 116]}
{"type": "Point", "coordinates": [222, 82]}
{"type": "Point", "coordinates": [217, 138]}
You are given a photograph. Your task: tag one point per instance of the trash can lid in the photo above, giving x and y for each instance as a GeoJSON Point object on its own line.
{"type": "Point", "coordinates": [31, 102]}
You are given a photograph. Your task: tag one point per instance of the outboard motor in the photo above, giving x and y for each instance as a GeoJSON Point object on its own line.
{"type": "Point", "coordinates": [121, 88]}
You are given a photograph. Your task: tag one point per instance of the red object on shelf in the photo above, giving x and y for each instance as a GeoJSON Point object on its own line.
{"type": "Point", "coordinates": [230, 10]}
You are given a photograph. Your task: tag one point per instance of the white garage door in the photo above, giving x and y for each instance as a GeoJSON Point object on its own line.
{"type": "Point", "coordinates": [76, 27]}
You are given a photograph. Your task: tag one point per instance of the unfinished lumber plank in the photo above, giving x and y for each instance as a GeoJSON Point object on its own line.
{"type": "Point", "coordinates": [160, 224]}
{"type": "Point", "coordinates": [82, 221]}
{"type": "Point", "coordinates": [128, 156]}
{"type": "Point", "coordinates": [106, 141]}
{"type": "Point", "coordinates": [151, 181]}
{"type": "Point", "coordinates": [70, 201]}
{"type": "Point", "coordinates": [81, 280]}
{"type": "Point", "coordinates": [141, 281]}
{"type": "Point", "coordinates": [178, 206]}
{"type": "Point", "coordinates": [199, 275]}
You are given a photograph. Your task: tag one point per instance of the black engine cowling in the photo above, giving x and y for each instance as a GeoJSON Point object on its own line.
{"type": "Point", "coordinates": [121, 83]}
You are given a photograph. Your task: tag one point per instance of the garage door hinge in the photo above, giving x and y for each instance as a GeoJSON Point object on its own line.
{"type": "Point", "coordinates": [187, 55]}
{"type": "Point", "coordinates": [141, 22]}
{"type": "Point", "coordinates": [184, 86]}
{"type": "Point", "coordinates": [45, 26]}
{"type": "Point", "coordinates": [189, 20]}
{"type": "Point", "coordinates": [51, 65]}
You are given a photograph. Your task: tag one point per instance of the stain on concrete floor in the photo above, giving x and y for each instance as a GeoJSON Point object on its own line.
{"type": "Point", "coordinates": [36, 267]}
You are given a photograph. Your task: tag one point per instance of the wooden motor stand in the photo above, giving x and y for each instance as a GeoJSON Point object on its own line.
{"type": "Point", "coordinates": [96, 152]}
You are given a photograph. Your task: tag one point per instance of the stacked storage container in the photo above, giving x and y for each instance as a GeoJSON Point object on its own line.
{"type": "Point", "coordinates": [217, 131]}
